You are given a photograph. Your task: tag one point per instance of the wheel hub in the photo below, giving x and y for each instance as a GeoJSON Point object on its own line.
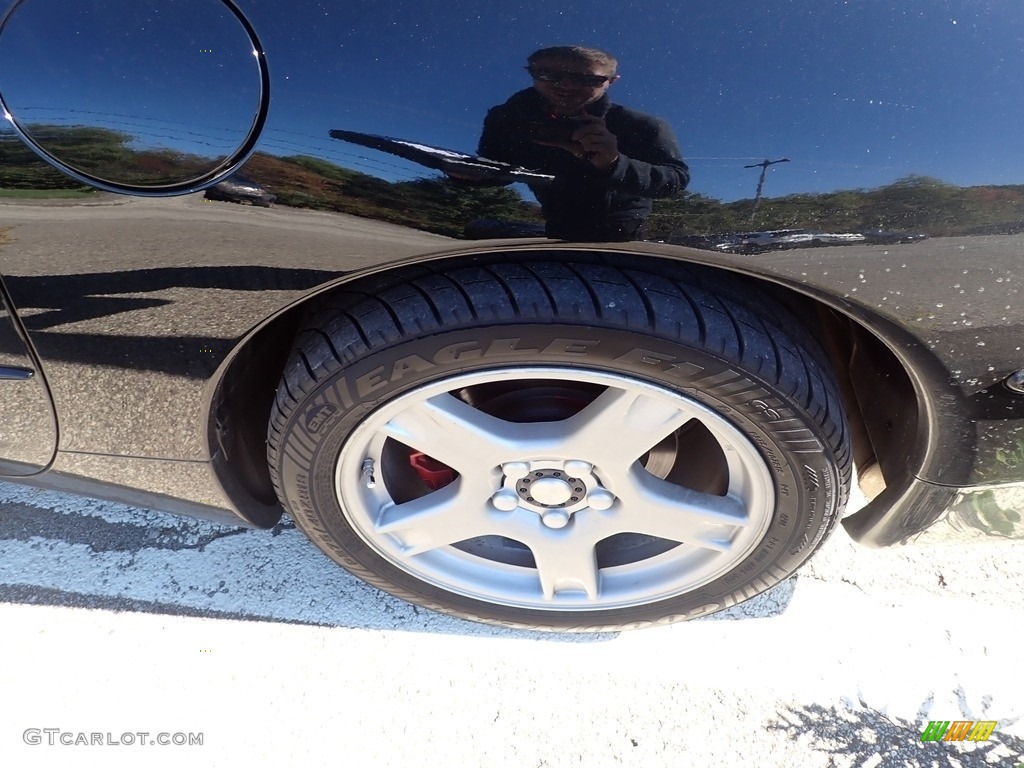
{"type": "Point", "coordinates": [550, 488]}
{"type": "Point", "coordinates": [554, 490]}
{"type": "Point", "coordinates": [548, 492]}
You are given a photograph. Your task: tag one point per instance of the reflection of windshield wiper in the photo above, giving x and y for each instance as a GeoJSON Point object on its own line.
{"type": "Point", "coordinates": [445, 160]}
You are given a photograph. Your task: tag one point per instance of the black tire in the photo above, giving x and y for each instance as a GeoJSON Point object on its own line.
{"type": "Point", "coordinates": [710, 339]}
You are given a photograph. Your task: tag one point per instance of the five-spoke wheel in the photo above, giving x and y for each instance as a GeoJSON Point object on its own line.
{"type": "Point", "coordinates": [562, 514]}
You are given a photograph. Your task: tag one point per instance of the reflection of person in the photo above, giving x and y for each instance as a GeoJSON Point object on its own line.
{"type": "Point", "coordinates": [608, 161]}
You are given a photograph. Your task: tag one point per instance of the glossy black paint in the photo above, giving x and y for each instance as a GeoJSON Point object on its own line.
{"type": "Point", "coordinates": [28, 439]}
{"type": "Point", "coordinates": [34, 22]}
{"type": "Point", "coordinates": [162, 325]}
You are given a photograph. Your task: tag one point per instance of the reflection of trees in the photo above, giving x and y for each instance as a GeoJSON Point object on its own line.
{"type": "Point", "coordinates": [465, 203]}
{"type": "Point", "coordinates": [101, 152]}
{"type": "Point", "coordinates": [20, 168]}
{"type": "Point", "coordinates": [916, 204]}
{"type": "Point", "coordinates": [435, 205]}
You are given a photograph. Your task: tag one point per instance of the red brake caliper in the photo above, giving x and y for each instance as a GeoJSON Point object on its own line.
{"type": "Point", "coordinates": [432, 472]}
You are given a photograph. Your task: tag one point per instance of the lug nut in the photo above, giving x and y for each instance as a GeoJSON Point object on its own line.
{"type": "Point", "coordinates": [505, 500]}
{"type": "Point", "coordinates": [514, 470]}
{"type": "Point", "coordinates": [600, 499]}
{"type": "Point", "coordinates": [555, 518]}
{"type": "Point", "coordinates": [577, 468]}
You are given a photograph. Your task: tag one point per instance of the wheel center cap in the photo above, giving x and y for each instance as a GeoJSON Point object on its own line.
{"type": "Point", "coordinates": [551, 491]}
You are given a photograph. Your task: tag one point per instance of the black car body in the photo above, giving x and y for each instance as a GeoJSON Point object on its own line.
{"type": "Point", "coordinates": [149, 343]}
{"type": "Point", "coordinates": [780, 239]}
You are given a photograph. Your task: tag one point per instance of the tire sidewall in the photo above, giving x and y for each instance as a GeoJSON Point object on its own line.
{"type": "Point", "coordinates": [806, 479]}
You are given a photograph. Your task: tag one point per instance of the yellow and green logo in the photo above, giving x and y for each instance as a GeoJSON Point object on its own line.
{"type": "Point", "coordinates": [959, 730]}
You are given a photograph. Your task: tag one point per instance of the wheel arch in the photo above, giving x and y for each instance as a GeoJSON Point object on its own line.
{"type": "Point", "coordinates": [883, 393]}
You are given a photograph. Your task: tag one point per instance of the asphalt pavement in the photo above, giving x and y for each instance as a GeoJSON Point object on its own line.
{"type": "Point", "coordinates": [123, 629]}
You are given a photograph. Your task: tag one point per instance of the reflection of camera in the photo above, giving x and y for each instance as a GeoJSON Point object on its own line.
{"type": "Point", "coordinates": [558, 130]}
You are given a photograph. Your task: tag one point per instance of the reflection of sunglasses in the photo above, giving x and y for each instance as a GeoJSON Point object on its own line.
{"type": "Point", "coordinates": [579, 78]}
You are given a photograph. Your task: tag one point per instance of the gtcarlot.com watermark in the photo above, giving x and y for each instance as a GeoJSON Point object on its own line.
{"type": "Point", "coordinates": [57, 737]}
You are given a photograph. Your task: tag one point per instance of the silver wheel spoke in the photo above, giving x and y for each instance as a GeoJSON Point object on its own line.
{"type": "Point", "coordinates": [659, 508]}
{"type": "Point", "coordinates": [621, 425]}
{"type": "Point", "coordinates": [438, 519]}
{"type": "Point", "coordinates": [452, 432]}
{"type": "Point", "coordinates": [565, 564]}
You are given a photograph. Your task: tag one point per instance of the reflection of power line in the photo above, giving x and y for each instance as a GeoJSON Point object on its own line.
{"type": "Point", "coordinates": [191, 124]}
{"type": "Point", "coordinates": [137, 132]}
{"type": "Point", "coordinates": [330, 149]}
{"type": "Point", "coordinates": [130, 120]}
{"type": "Point", "coordinates": [804, 163]}
{"type": "Point", "coordinates": [733, 159]}
{"type": "Point", "coordinates": [292, 148]}
{"type": "Point", "coordinates": [332, 152]}
{"type": "Point", "coordinates": [355, 161]}
{"type": "Point", "coordinates": [273, 139]}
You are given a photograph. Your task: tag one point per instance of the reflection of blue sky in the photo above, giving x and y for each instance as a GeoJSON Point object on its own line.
{"type": "Point", "coordinates": [856, 93]}
{"type": "Point", "coordinates": [176, 74]}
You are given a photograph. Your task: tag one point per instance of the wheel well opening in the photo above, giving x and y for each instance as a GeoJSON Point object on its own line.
{"type": "Point", "coordinates": [241, 412]}
{"type": "Point", "coordinates": [881, 404]}
{"type": "Point", "coordinates": [878, 395]}
{"type": "Point", "coordinates": [884, 404]}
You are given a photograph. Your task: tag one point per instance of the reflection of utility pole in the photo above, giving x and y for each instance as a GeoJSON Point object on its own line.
{"type": "Point", "coordinates": [760, 182]}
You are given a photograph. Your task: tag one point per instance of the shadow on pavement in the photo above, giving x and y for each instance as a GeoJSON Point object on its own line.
{"type": "Point", "coordinates": [144, 562]}
{"type": "Point", "coordinates": [865, 737]}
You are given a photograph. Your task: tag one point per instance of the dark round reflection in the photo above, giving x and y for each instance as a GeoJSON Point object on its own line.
{"type": "Point", "coordinates": [152, 97]}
